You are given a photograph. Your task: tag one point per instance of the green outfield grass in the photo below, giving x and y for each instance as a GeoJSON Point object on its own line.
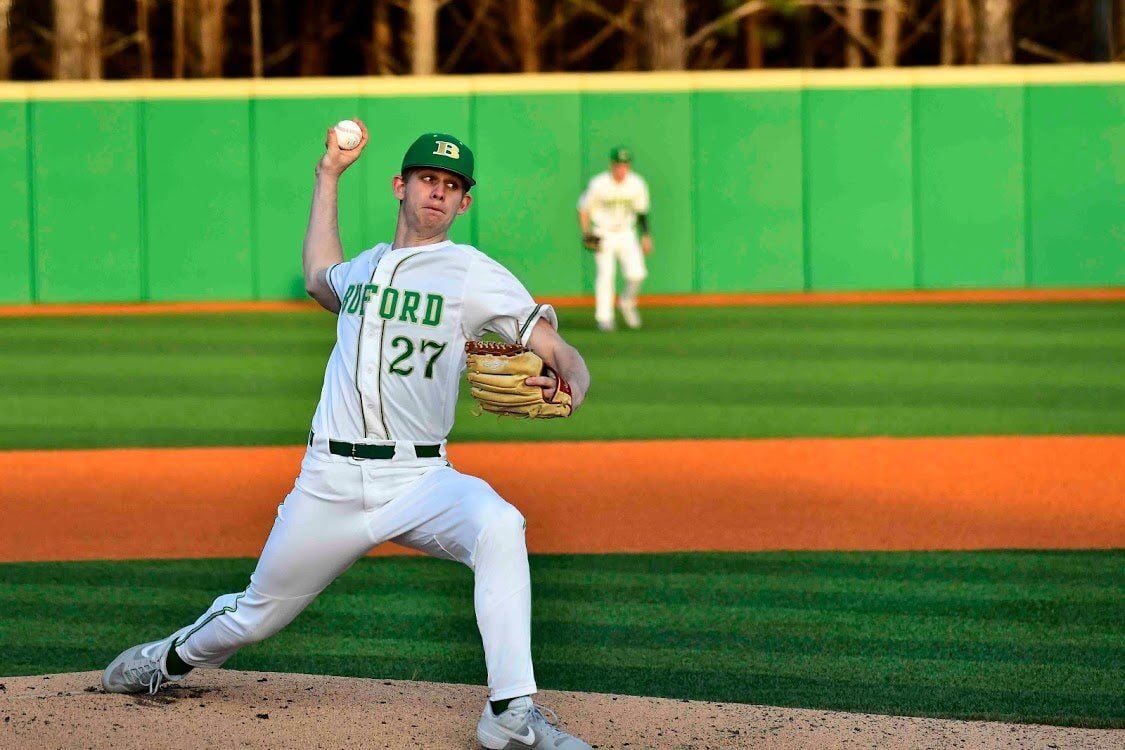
{"type": "Point", "coordinates": [254, 379]}
{"type": "Point", "coordinates": [1024, 636]}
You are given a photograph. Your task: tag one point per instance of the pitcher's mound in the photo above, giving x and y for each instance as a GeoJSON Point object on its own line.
{"type": "Point", "coordinates": [228, 709]}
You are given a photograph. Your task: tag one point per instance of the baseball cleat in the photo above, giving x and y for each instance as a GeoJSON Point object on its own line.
{"type": "Point", "coordinates": [140, 668]}
{"type": "Point", "coordinates": [524, 725]}
{"type": "Point", "coordinates": [629, 313]}
{"type": "Point", "coordinates": [605, 325]}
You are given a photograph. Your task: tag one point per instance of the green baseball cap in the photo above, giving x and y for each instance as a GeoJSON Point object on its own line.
{"type": "Point", "coordinates": [620, 154]}
{"type": "Point", "coordinates": [441, 151]}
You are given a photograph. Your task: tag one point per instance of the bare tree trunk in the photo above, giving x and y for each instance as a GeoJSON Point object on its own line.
{"type": "Point", "coordinates": [144, 40]}
{"type": "Point", "coordinates": [527, 33]}
{"type": "Point", "coordinates": [314, 39]}
{"type": "Point", "coordinates": [806, 51]}
{"type": "Point", "coordinates": [423, 37]}
{"type": "Point", "coordinates": [380, 40]}
{"type": "Point", "coordinates": [755, 51]}
{"type": "Point", "coordinates": [853, 53]}
{"type": "Point", "coordinates": [179, 14]}
{"type": "Point", "coordinates": [78, 39]}
{"type": "Point", "coordinates": [664, 29]}
{"type": "Point", "coordinates": [966, 22]}
{"type": "Point", "coordinates": [1103, 31]}
{"type": "Point", "coordinates": [948, 31]}
{"type": "Point", "coordinates": [1120, 29]}
{"type": "Point", "coordinates": [631, 59]}
{"type": "Point", "coordinates": [211, 47]}
{"type": "Point", "coordinates": [888, 37]}
{"type": "Point", "coordinates": [996, 32]}
{"type": "Point", "coordinates": [257, 64]}
{"type": "Point", "coordinates": [5, 44]}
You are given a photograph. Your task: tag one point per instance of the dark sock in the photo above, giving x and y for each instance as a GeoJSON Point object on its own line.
{"type": "Point", "coordinates": [175, 665]}
{"type": "Point", "coordinates": [499, 707]}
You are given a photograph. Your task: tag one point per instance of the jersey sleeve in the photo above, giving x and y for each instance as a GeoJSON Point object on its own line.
{"type": "Point", "coordinates": [337, 274]}
{"type": "Point", "coordinates": [496, 302]}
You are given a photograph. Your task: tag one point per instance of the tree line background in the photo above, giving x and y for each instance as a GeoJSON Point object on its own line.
{"type": "Point", "coordinates": [114, 39]}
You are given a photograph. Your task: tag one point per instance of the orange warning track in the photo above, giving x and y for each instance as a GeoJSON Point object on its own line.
{"type": "Point", "coordinates": [765, 299]}
{"type": "Point", "coordinates": [734, 495]}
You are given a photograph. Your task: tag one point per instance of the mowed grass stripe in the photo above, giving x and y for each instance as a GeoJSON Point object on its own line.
{"type": "Point", "coordinates": [254, 379]}
{"type": "Point", "coordinates": [864, 631]}
{"type": "Point", "coordinates": [974, 658]}
{"type": "Point", "coordinates": [775, 630]}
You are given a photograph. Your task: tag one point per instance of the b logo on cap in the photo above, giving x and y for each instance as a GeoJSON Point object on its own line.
{"type": "Point", "coordinates": [445, 148]}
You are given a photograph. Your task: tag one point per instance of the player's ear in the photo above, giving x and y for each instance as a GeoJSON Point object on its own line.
{"type": "Point", "coordinates": [466, 201]}
{"type": "Point", "coordinates": [398, 184]}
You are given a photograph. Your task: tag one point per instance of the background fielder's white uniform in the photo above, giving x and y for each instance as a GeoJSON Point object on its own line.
{"type": "Point", "coordinates": [392, 379]}
{"type": "Point", "coordinates": [613, 207]}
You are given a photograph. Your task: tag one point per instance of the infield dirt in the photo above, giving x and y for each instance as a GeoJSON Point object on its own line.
{"type": "Point", "coordinates": [228, 709]}
{"type": "Point", "coordinates": [726, 495]}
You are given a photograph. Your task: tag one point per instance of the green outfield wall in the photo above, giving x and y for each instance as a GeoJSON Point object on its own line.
{"type": "Point", "coordinates": [761, 181]}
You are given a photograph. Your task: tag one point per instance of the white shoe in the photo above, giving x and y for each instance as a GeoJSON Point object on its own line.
{"type": "Point", "coordinates": [523, 725]}
{"type": "Point", "coordinates": [605, 325]}
{"type": "Point", "coordinates": [629, 313]}
{"type": "Point", "coordinates": [141, 668]}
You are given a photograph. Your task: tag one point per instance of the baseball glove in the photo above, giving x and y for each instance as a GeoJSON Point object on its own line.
{"type": "Point", "coordinates": [497, 373]}
{"type": "Point", "coordinates": [591, 242]}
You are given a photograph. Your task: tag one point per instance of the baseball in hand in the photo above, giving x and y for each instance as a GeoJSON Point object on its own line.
{"type": "Point", "coordinates": [348, 134]}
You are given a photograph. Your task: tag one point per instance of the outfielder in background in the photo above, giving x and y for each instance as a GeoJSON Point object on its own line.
{"type": "Point", "coordinates": [375, 468]}
{"type": "Point", "coordinates": [614, 204]}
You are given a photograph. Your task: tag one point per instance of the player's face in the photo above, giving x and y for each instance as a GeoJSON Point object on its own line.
{"type": "Point", "coordinates": [431, 199]}
{"type": "Point", "coordinates": [619, 169]}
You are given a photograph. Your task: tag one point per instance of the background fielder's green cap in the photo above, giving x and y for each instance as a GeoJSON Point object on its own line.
{"type": "Point", "coordinates": [442, 151]}
{"type": "Point", "coordinates": [620, 154]}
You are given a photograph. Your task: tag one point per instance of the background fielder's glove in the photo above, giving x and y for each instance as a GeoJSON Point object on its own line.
{"type": "Point", "coordinates": [497, 373]}
{"type": "Point", "coordinates": [591, 242]}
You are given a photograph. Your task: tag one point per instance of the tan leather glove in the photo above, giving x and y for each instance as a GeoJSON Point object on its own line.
{"type": "Point", "coordinates": [496, 374]}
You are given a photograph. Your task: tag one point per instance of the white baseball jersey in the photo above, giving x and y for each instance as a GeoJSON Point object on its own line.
{"type": "Point", "coordinates": [613, 206]}
{"type": "Point", "coordinates": [405, 315]}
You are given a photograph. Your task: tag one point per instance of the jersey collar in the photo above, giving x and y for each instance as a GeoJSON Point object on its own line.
{"type": "Point", "coordinates": [424, 248]}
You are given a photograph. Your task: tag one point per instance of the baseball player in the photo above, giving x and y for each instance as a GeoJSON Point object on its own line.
{"type": "Point", "coordinates": [614, 204]}
{"type": "Point", "coordinates": [375, 468]}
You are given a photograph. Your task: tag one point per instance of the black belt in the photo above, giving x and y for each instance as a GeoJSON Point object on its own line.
{"type": "Point", "coordinates": [364, 450]}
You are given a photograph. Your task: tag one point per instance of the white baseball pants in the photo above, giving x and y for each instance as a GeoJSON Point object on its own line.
{"type": "Point", "coordinates": [339, 510]}
{"type": "Point", "coordinates": [617, 247]}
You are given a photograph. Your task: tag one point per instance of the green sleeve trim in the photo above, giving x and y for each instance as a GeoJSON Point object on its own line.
{"type": "Point", "coordinates": [531, 318]}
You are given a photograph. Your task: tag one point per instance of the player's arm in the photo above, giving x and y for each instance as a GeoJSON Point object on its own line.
{"type": "Point", "coordinates": [584, 219]}
{"type": "Point", "coordinates": [563, 359]}
{"type": "Point", "coordinates": [641, 206]}
{"type": "Point", "coordinates": [322, 247]}
{"type": "Point", "coordinates": [646, 236]}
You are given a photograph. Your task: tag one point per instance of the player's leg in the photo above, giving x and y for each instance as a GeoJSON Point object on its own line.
{"type": "Point", "coordinates": [634, 270]}
{"type": "Point", "coordinates": [466, 520]}
{"type": "Point", "coordinates": [312, 542]}
{"type": "Point", "coordinates": [314, 539]}
{"type": "Point", "coordinates": [606, 262]}
{"type": "Point", "coordinates": [460, 517]}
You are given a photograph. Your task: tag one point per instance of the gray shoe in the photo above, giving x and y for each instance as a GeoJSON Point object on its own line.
{"type": "Point", "coordinates": [140, 668]}
{"type": "Point", "coordinates": [523, 726]}
{"type": "Point", "coordinates": [629, 313]}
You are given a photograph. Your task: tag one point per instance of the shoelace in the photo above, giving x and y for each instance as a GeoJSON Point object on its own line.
{"type": "Point", "coordinates": [155, 679]}
{"type": "Point", "coordinates": [549, 717]}
{"type": "Point", "coordinates": [544, 711]}
{"type": "Point", "coordinates": [155, 682]}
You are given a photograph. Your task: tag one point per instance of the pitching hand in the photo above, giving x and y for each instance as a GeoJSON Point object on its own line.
{"type": "Point", "coordinates": [336, 159]}
{"type": "Point", "coordinates": [646, 244]}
